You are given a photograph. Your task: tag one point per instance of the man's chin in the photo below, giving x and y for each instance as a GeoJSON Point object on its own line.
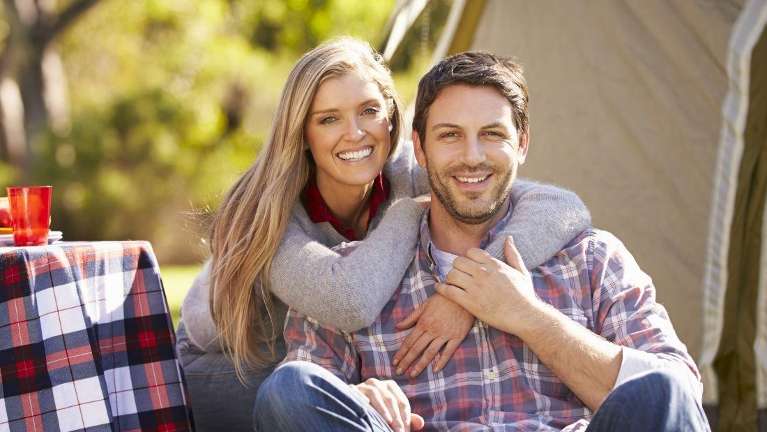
{"type": "Point", "coordinates": [473, 216]}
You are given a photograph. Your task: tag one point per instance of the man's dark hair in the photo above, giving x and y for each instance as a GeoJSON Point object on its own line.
{"type": "Point", "coordinates": [475, 69]}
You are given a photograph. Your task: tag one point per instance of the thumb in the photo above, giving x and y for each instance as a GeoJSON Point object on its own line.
{"type": "Point", "coordinates": [411, 319]}
{"type": "Point", "coordinates": [513, 258]}
{"type": "Point", "coordinates": [416, 422]}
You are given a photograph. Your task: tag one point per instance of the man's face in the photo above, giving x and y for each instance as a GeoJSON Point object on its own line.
{"type": "Point", "coordinates": [471, 151]}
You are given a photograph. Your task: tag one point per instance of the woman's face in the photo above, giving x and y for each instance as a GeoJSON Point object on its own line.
{"type": "Point", "coordinates": [347, 130]}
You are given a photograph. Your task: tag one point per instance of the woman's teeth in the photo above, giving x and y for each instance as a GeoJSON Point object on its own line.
{"type": "Point", "coordinates": [356, 155]}
{"type": "Point", "coordinates": [471, 179]}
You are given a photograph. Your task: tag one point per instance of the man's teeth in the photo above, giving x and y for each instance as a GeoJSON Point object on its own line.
{"type": "Point", "coordinates": [356, 155]}
{"type": "Point", "coordinates": [471, 179]}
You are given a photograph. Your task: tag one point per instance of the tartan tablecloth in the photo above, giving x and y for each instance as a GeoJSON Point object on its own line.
{"type": "Point", "coordinates": [86, 341]}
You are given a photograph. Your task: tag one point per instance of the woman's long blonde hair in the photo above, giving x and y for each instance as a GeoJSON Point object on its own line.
{"type": "Point", "coordinates": [248, 227]}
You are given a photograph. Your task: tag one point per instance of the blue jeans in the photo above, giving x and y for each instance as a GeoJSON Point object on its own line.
{"type": "Point", "coordinates": [301, 396]}
{"type": "Point", "coordinates": [219, 401]}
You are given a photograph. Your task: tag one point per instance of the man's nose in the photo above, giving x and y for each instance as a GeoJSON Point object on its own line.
{"type": "Point", "coordinates": [473, 152]}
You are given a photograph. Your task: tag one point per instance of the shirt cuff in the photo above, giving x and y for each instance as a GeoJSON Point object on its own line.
{"type": "Point", "coordinates": [634, 363]}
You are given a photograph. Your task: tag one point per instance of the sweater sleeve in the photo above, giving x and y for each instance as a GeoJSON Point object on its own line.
{"type": "Point", "coordinates": [346, 290]}
{"type": "Point", "coordinates": [545, 218]}
{"type": "Point", "coordinates": [195, 311]}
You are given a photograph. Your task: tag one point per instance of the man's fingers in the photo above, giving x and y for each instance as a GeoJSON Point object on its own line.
{"type": "Point", "coordinates": [460, 279]}
{"type": "Point", "coordinates": [455, 294]}
{"type": "Point", "coordinates": [397, 421]}
{"type": "Point", "coordinates": [479, 256]}
{"type": "Point", "coordinates": [404, 404]}
{"type": "Point", "coordinates": [428, 355]}
{"type": "Point", "coordinates": [413, 352]}
{"type": "Point", "coordinates": [377, 402]}
{"type": "Point", "coordinates": [446, 354]}
{"type": "Point", "coordinates": [416, 422]}
{"type": "Point", "coordinates": [468, 265]}
{"type": "Point", "coordinates": [513, 258]}
{"type": "Point", "coordinates": [411, 319]}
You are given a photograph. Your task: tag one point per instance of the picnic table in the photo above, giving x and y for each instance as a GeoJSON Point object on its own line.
{"type": "Point", "coordinates": [86, 340]}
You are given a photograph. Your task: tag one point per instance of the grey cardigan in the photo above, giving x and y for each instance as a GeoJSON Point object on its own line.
{"type": "Point", "coordinates": [348, 292]}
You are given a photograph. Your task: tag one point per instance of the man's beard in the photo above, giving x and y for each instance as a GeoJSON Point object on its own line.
{"type": "Point", "coordinates": [472, 214]}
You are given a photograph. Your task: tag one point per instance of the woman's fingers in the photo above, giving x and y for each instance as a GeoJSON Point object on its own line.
{"type": "Point", "coordinates": [446, 354]}
{"type": "Point", "coordinates": [411, 319]}
{"type": "Point", "coordinates": [413, 352]}
{"type": "Point", "coordinates": [428, 355]}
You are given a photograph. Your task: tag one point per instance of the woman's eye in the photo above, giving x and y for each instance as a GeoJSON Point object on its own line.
{"type": "Point", "coordinates": [494, 134]}
{"type": "Point", "coordinates": [371, 110]}
{"type": "Point", "coordinates": [327, 120]}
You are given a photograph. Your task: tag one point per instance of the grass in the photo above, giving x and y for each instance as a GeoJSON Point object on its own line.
{"type": "Point", "coordinates": [177, 280]}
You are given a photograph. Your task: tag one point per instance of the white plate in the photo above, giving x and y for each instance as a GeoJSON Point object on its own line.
{"type": "Point", "coordinates": [53, 237]}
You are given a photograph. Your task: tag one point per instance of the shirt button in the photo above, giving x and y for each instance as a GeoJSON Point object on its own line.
{"type": "Point", "coordinates": [491, 374]}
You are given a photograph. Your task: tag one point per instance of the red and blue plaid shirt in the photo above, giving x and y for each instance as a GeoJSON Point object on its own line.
{"type": "Point", "coordinates": [494, 380]}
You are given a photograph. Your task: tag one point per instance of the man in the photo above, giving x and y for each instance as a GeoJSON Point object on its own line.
{"type": "Point", "coordinates": [577, 344]}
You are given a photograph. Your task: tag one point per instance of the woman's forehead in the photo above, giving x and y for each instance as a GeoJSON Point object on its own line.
{"type": "Point", "coordinates": [350, 88]}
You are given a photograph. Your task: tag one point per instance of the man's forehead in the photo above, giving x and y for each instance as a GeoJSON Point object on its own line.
{"type": "Point", "coordinates": [461, 104]}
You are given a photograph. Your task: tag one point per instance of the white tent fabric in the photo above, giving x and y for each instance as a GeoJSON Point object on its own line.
{"type": "Point", "coordinates": [640, 108]}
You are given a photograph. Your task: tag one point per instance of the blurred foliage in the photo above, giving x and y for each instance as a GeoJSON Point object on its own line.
{"type": "Point", "coordinates": [171, 101]}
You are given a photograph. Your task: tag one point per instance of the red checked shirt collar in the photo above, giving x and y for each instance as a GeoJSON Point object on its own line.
{"type": "Point", "coordinates": [318, 210]}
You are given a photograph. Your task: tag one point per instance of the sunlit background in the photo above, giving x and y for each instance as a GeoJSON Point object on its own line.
{"type": "Point", "coordinates": [141, 113]}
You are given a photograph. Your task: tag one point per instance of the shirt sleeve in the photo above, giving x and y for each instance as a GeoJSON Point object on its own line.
{"type": "Point", "coordinates": [627, 313]}
{"type": "Point", "coordinates": [307, 340]}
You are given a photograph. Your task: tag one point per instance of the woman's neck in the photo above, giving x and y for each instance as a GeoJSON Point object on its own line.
{"type": "Point", "coordinates": [348, 203]}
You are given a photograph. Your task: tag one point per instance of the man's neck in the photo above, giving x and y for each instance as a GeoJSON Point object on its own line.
{"type": "Point", "coordinates": [451, 235]}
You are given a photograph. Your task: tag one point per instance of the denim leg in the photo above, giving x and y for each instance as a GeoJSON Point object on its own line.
{"type": "Point", "coordinates": [655, 401]}
{"type": "Point", "coordinates": [301, 396]}
{"type": "Point", "coordinates": [218, 399]}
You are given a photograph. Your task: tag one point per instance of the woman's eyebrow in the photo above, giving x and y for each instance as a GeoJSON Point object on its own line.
{"type": "Point", "coordinates": [331, 110]}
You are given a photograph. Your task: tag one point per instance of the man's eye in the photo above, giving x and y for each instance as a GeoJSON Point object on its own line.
{"type": "Point", "coordinates": [494, 134]}
{"type": "Point", "coordinates": [327, 120]}
{"type": "Point", "coordinates": [448, 135]}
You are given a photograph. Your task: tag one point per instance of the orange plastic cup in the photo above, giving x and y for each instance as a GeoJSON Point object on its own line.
{"type": "Point", "coordinates": [31, 214]}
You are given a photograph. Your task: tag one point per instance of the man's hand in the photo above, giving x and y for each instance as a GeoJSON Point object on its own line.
{"type": "Point", "coordinates": [501, 295]}
{"type": "Point", "coordinates": [388, 399]}
{"type": "Point", "coordinates": [438, 323]}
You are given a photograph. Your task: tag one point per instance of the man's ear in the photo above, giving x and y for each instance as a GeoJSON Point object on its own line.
{"type": "Point", "coordinates": [420, 155]}
{"type": "Point", "coordinates": [524, 144]}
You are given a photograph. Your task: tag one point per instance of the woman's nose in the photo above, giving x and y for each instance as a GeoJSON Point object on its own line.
{"type": "Point", "coordinates": [354, 131]}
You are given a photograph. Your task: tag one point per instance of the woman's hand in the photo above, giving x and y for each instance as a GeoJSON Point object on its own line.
{"type": "Point", "coordinates": [439, 323]}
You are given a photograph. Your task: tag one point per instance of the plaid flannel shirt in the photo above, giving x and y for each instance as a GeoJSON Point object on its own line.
{"type": "Point", "coordinates": [86, 341]}
{"type": "Point", "coordinates": [494, 381]}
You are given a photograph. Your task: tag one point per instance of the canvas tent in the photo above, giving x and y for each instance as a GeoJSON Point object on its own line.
{"type": "Point", "coordinates": [655, 113]}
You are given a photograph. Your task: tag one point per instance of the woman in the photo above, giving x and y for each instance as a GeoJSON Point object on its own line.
{"type": "Point", "coordinates": [333, 149]}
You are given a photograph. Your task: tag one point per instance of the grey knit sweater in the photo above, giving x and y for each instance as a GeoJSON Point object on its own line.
{"type": "Point", "coordinates": [348, 292]}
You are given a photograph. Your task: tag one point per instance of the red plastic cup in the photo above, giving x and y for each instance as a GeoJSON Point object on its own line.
{"type": "Point", "coordinates": [31, 214]}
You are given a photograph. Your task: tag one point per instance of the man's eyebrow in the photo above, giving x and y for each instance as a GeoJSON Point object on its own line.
{"type": "Point", "coordinates": [496, 125]}
{"type": "Point", "coordinates": [330, 110]}
{"type": "Point", "coordinates": [445, 125]}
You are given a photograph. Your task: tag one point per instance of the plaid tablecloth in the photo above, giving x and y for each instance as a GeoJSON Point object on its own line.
{"type": "Point", "coordinates": [86, 341]}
